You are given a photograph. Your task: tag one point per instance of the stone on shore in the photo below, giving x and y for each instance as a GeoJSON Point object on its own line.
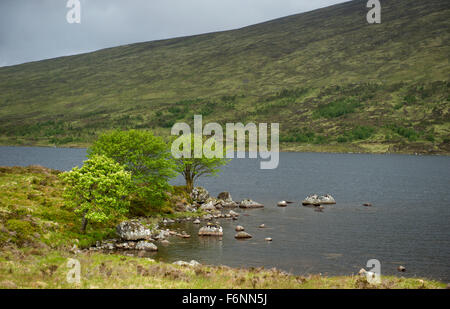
{"type": "Point", "coordinates": [145, 245]}
{"type": "Point", "coordinates": [196, 221]}
{"type": "Point", "coordinates": [248, 203]}
{"type": "Point", "coordinates": [242, 235]}
{"type": "Point", "coordinates": [209, 206]}
{"type": "Point", "coordinates": [192, 263]}
{"type": "Point", "coordinates": [233, 213]}
{"type": "Point", "coordinates": [199, 195]}
{"type": "Point", "coordinates": [231, 204]}
{"type": "Point", "coordinates": [225, 196]}
{"type": "Point", "coordinates": [133, 230]}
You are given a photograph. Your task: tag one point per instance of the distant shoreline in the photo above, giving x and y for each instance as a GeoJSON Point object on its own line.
{"type": "Point", "coordinates": [289, 148]}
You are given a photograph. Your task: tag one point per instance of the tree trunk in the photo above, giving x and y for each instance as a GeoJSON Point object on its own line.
{"type": "Point", "coordinates": [189, 183]}
{"type": "Point", "coordinates": [84, 223]}
{"type": "Point", "coordinates": [189, 177]}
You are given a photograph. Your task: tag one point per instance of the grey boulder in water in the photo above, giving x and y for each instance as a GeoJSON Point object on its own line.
{"type": "Point", "coordinates": [242, 235]}
{"type": "Point", "coordinates": [248, 203]}
{"type": "Point", "coordinates": [211, 230]}
{"type": "Point", "coordinates": [312, 200]}
{"type": "Point", "coordinates": [225, 196]}
{"type": "Point", "coordinates": [327, 199]}
{"type": "Point", "coordinates": [315, 200]}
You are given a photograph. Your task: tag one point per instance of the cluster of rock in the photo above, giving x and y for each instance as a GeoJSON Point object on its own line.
{"type": "Point", "coordinates": [133, 235]}
{"type": "Point", "coordinates": [211, 230]}
{"type": "Point", "coordinates": [205, 202]}
{"type": "Point", "coordinates": [315, 200]}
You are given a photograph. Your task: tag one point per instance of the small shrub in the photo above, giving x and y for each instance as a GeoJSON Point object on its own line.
{"type": "Point", "coordinates": [336, 109]}
{"type": "Point", "coordinates": [23, 229]}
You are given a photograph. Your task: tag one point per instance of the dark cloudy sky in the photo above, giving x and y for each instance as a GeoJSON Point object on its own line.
{"type": "Point", "coordinates": [37, 29]}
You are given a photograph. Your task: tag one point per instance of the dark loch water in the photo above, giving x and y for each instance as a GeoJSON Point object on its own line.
{"type": "Point", "coordinates": [408, 224]}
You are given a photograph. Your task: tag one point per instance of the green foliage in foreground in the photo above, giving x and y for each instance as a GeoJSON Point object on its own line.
{"type": "Point", "coordinates": [98, 191]}
{"type": "Point", "coordinates": [145, 156]}
{"type": "Point", "coordinates": [33, 212]}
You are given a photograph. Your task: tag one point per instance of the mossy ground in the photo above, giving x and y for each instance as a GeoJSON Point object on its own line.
{"type": "Point", "coordinates": [37, 232]}
{"type": "Point", "coordinates": [40, 268]}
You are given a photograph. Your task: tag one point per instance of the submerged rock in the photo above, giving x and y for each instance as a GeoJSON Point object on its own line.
{"type": "Point", "coordinates": [242, 235]}
{"type": "Point", "coordinates": [162, 234]}
{"type": "Point", "coordinates": [133, 230]}
{"type": "Point", "coordinates": [248, 203]}
{"type": "Point", "coordinates": [319, 208]}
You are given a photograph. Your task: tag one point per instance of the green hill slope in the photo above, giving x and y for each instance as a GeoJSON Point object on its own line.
{"type": "Point", "coordinates": [330, 79]}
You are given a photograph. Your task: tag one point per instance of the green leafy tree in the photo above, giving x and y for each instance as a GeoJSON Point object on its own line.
{"type": "Point", "coordinates": [146, 156]}
{"type": "Point", "coordinates": [98, 191]}
{"type": "Point", "coordinates": [190, 167]}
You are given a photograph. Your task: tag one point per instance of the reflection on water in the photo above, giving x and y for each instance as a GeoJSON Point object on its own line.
{"type": "Point", "coordinates": [408, 223]}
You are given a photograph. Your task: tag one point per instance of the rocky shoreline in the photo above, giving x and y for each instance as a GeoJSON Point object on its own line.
{"type": "Point", "coordinates": [135, 235]}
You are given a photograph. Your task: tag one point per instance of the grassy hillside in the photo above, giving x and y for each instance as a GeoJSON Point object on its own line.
{"type": "Point", "coordinates": [332, 81]}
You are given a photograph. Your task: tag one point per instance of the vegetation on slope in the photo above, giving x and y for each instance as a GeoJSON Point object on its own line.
{"type": "Point", "coordinates": [331, 80]}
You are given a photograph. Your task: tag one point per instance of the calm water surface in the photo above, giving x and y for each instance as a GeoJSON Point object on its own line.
{"type": "Point", "coordinates": [407, 225]}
